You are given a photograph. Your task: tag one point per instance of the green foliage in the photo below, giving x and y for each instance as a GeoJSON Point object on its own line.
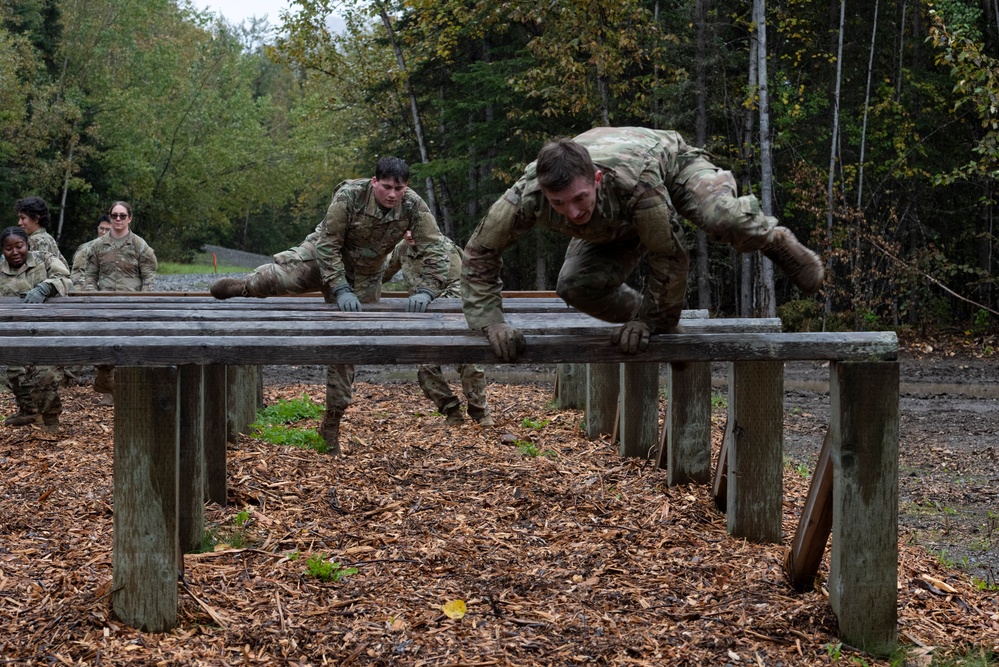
{"type": "Point", "coordinates": [718, 400]}
{"type": "Point", "coordinates": [536, 424]}
{"type": "Point", "coordinates": [270, 424]}
{"type": "Point", "coordinates": [174, 268]}
{"type": "Point", "coordinates": [328, 570]}
{"type": "Point", "coordinates": [530, 450]}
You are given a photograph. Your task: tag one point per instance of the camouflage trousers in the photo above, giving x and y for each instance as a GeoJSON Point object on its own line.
{"type": "Point", "coordinates": [36, 389]}
{"type": "Point", "coordinates": [436, 388]}
{"type": "Point", "coordinates": [592, 280]}
{"type": "Point", "coordinates": [291, 274]}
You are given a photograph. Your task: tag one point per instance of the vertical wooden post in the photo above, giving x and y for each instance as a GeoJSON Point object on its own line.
{"type": "Point", "coordinates": [863, 562]}
{"type": "Point", "coordinates": [145, 557]}
{"type": "Point", "coordinates": [755, 474]}
{"type": "Point", "coordinates": [192, 458]}
{"type": "Point", "coordinates": [602, 383]}
{"type": "Point", "coordinates": [639, 409]}
{"type": "Point", "coordinates": [216, 425]}
{"type": "Point", "coordinates": [241, 394]}
{"type": "Point", "coordinates": [685, 447]}
{"type": "Point", "coordinates": [570, 385]}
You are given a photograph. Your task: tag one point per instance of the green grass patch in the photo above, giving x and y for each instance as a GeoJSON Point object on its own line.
{"type": "Point", "coordinates": [272, 422]}
{"type": "Point", "coordinates": [173, 268]}
{"type": "Point", "coordinates": [327, 570]}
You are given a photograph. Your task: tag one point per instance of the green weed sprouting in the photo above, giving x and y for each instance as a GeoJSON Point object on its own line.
{"type": "Point", "coordinates": [536, 424]}
{"type": "Point", "coordinates": [328, 570]}
{"type": "Point", "coordinates": [271, 424]}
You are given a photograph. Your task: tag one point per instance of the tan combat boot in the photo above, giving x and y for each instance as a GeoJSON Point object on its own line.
{"type": "Point", "coordinates": [482, 416]}
{"type": "Point", "coordinates": [226, 288]}
{"type": "Point", "coordinates": [453, 416]}
{"type": "Point", "coordinates": [329, 429]}
{"type": "Point", "coordinates": [801, 265]}
{"type": "Point", "coordinates": [50, 423]}
{"type": "Point", "coordinates": [23, 419]}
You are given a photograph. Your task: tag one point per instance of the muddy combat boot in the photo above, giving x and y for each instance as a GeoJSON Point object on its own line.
{"type": "Point", "coordinates": [23, 419]}
{"type": "Point", "coordinates": [329, 429]}
{"type": "Point", "coordinates": [482, 416]}
{"type": "Point", "coordinates": [50, 423]}
{"type": "Point", "coordinates": [226, 288]}
{"type": "Point", "coordinates": [453, 416]}
{"type": "Point", "coordinates": [801, 265]}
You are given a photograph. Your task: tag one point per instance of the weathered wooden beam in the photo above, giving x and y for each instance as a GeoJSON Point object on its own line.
{"type": "Point", "coordinates": [755, 455]}
{"type": "Point", "coordinates": [145, 559]}
{"type": "Point", "coordinates": [468, 348]}
{"type": "Point", "coordinates": [685, 445]}
{"type": "Point", "coordinates": [191, 498]}
{"type": "Point", "coordinates": [216, 425]}
{"type": "Point", "coordinates": [602, 388]}
{"type": "Point", "coordinates": [803, 559]}
{"type": "Point", "coordinates": [638, 403]}
{"type": "Point", "coordinates": [863, 562]}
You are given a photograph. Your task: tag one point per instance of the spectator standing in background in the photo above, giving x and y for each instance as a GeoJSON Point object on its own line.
{"type": "Point", "coordinates": [33, 217]}
{"type": "Point", "coordinates": [79, 268]}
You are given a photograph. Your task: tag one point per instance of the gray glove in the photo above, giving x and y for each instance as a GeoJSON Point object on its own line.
{"type": "Point", "coordinates": [506, 341]}
{"type": "Point", "coordinates": [419, 301]}
{"type": "Point", "coordinates": [347, 300]}
{"type": "Point", "coordinates": [632, 337]}
{"type": "Point", "coordinates": [38, 293]}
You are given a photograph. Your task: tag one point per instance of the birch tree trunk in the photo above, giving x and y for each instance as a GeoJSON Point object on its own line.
{"type": "Point", "coordinates": [867, 106]}
{"type": "Point", "coordinates": [700, 139]}
{"type": "Point", "coordinates": [765, 293]}
{"type": "Point", "coordinates": [832, 148]}
{"type": "Point", "coordinates": [746, 292]}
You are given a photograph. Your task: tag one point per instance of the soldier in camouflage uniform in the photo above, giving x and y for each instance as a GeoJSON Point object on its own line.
{"type": "Point", "coordinates": [33, 217]}
{"type": "Point", "coordinates": [76, 273]}
{"type": "Point", "coordinates": [119, 261]}
{"type": "Point", "coordinates": [364, 222]}
{"type": "Point", "coordinates": [34, 276]}
{"type": "Point", "coordinates": [619, 192]}
{"type": "Point", "coordinates": [431, 378]}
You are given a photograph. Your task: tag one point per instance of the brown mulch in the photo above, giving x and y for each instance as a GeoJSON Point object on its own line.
{"type": "Point", "coordinates": [573, 556]}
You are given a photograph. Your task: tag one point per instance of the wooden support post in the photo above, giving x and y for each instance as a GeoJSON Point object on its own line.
{"type": "Point", "coordinates": [242, 398]}
{"type": "Point", "coordinates": [216, 424]}
{"type": "Point", "coordinates": [145, 557]}
{"type": "Point", "coordinates": [755, 465]}
{"type": "Point", "coordinates": [192, 458]}
{"type": "Point", "coordinates": [638, 406]}
{"type": "Point", "coordinates": [720, 485]}
{"type": "Point", "coordinates": [570, 386]}
{"type": "Point", "coordinates": [602, 383]}
{"type": "Point", "coordinates": [863, 561]}
{"type": "Point", "coordinates": [809, 543]}
{"type": "Point", "coordinates": [685, 446]}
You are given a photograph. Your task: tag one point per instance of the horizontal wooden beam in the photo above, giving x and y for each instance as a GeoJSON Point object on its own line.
{"type": "Point", "coordinates": [467, 348]}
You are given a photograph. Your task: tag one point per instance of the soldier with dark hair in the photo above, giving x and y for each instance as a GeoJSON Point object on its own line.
{"type": "Point", "coordinates": [430, 376]}
{"type": "Point", "coordinates": [33, 217]}
{"type": "Point", "coordinates": [34, 276]}
{"type": "Point", "coordinates": [77, 271]}
{"type": "Point", "coordinates": [619, 193]}
{"type": "Point", "coordinates": [344, 257]}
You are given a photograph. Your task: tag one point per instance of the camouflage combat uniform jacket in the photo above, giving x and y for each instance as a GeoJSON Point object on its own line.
{"type": "Point", "coordinates": [406, 258]}
{"type": "Point", "coordinates": [39, 267]}
{"type": "Point", "coordinates": [648, 176]}
{"type": "Point", "coordinates": [357, 235]}
{"type": "Point", "coordinates": [41, 241]}
{"type": "Point", "coordinates": [130, 268]}
{"type": "Point", "coordinates": [78, 270]}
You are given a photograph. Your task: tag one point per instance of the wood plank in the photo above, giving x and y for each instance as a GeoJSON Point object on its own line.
{"type": "Point", "coordinates": [638, 403]}
{"type": "Point", "coordinates": [570, 386]}
{"type": "Point", "coordinates": [216, 424]}
{"type": "Point", "coordinates": [468, 348]}
{"type": "Point", "coordinates": [191, 497]}
{"type": "Point", "coordinates": [145, 558]}
{"type": "Point", "coordinates": [602, 386]}
{"type": "Point", "coordinates": [755, 456]}
{"type": "Point", "coordinates": [686, 440]}
{"type": "Point", "coordinates": [863, 561]}
{"type": "Point", "coordinates": [814, 527]}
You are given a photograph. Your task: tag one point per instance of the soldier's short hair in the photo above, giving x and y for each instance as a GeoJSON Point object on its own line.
{"type": "Point", "coordinates": [103, 218]}
{"type": "Point", "coordinates": [13, 231]}
{"type": "Point", "coordinates": [128, 207]}
{"type": "Point", "coordinates": [561, 162]}
{"type": "Point", "coordinates": [35, 208]}
{"type": "Point", "coordinates": [392, 167]}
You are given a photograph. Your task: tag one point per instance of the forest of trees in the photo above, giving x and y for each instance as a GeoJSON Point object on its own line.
{"type": "Point", "coordinates": [871, 129]}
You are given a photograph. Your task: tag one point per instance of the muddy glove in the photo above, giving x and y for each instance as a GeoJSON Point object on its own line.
{"type": "Point", "coordinates": [347, 300]}
{"type": "Point", "coordinates": [39, 293]}
{"type": "Point", "coordinates": [506, 341]}
{"type": "Point", "coordinates": [632, 337]}
{"type": "Point", "coordinates": [419, 301]}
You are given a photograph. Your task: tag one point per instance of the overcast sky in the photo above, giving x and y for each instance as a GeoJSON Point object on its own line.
{"type": "Point", "coordinates": [239, 10]}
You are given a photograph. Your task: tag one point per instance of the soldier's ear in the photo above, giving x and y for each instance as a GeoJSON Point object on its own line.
{"type": "Point", "coordinates": [597, 177]}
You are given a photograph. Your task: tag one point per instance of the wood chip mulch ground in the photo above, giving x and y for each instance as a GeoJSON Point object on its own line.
{"type": "Point", "coordinates": [572, 556]}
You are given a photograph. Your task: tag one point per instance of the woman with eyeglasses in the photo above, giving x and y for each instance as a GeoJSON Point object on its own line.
{"type": "Point", "coordinates": [33, 276]}
{"type": "Point", "coordinates": [119, 261]}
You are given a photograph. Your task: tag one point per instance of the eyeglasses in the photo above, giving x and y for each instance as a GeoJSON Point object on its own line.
{"type": "Point", "coordinates": [119, 216]}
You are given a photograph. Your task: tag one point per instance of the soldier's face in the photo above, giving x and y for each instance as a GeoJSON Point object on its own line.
{"type": "Point", "coordinates": [120, 219]}
{"type": "Point", "coordinates": [15, 251]}
{"type": "Point", "coordinates": [103, 228]}
{"type": "Point", "coordinates": [388, 191]}
{"type": "Point", "coordinates": [578, 201]}
{"type": "Point", "coordinates": [27, 223]}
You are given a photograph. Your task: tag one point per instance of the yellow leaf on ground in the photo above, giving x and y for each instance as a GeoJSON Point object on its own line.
{"type": "Point", "coordinates": [454, 609]}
